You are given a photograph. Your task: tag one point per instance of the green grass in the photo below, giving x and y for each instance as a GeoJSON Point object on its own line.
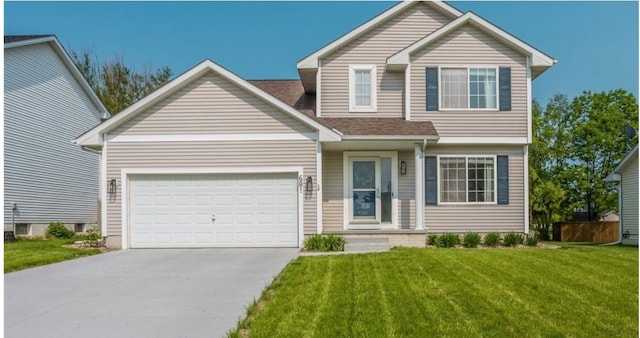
{"type": "Point", "coordinates": [27, 253]}
{"type": "Point", "coordinates": [575, 291]}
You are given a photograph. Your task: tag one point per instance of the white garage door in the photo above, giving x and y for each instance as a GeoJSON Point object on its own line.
{"type": "Point", "coordinates": [249, 210]}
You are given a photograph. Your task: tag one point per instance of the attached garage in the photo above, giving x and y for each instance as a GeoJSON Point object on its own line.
{"type": "Point", "coordinates": [213, 210]}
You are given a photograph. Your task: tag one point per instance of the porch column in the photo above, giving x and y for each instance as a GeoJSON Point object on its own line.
{"type": "Point", "coordinates": [419, 180]}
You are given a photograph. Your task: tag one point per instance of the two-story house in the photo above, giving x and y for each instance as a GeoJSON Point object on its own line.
{"type": "Point", "coordinates": [417, 121]}
{"type": "Point", "coordinates": [47, 103]}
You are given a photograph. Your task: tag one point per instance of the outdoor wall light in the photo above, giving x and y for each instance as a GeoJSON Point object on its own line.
{"type": "Point", "coordinates": [403, 168]}
{"type": "Point", "coordinates": [309, 183]}
{"type": "Point", "coordinates": [112, 186]}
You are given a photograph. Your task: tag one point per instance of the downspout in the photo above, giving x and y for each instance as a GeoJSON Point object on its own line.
{"type": "Point", "coordinates": [619, 241]}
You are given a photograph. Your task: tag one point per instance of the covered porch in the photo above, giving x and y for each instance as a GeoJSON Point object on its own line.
{"type": "Point", "coordinates": [372, 185]}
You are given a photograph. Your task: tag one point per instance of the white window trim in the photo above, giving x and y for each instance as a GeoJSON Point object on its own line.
{"type": "Point", "coordinates": [352, 86]}
{"type": "Point", "coordinates": [468, 67]}
{"type": "Point", "coordinates": [466, 195]}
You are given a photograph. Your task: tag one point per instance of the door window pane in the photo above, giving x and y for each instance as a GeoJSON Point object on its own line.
{"type": "Point", "coordinates": [364, 204]}
{"type": "Point", "coordinates": [385, 196]}
{"type": "Point", "coordinates": [364, 175]}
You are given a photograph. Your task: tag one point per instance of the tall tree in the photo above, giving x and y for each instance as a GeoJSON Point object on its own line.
{"type": "Point", "coordinates": [598, 144]}
{"type": "Point", "coordinates": [117, 85]}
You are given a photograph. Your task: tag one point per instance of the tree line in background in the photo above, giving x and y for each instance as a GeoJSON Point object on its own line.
{"type": "Point", "coordinates": [576, 144]}
{"type": "Point", "coordinates": [117, 85]}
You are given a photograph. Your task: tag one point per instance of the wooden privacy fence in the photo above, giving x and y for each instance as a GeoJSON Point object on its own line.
{"type": "Point", "coordinates": [584, 231]}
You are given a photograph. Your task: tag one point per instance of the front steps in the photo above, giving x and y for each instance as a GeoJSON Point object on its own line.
{"type": "Point", "coordinates": [366, 244]}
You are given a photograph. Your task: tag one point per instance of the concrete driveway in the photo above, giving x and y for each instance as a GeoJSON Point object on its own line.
{"type": "Point", "coordinates": [140, 293]}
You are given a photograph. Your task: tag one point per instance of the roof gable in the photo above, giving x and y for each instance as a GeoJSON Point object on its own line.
{"type": "Point", "coordinates": [13, 41]}
{"type": "Point", "coordinates": [539, 61]}
{"type": "Point", "coordinates": [93, 137]}
{"type": "Point", "coordinates": [311, 61]}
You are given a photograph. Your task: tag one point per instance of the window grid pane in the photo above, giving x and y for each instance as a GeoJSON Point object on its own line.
{"type": "Point", "coordinates": [363, 88]}
{"type": "Point", "coordinates": [453, 178]}
{"type": "Point", "coordinates": [481, 179]}
{"type": "Point", "coordinates": [454, 88]}
{"type": "Point", "coordinates": [483, 88]}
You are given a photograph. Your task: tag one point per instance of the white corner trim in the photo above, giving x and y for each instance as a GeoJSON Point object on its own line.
{"type": "Point", "coordinates": [526, 188]}
{"type": "Point", "coordinates": [103, 190]}
{"type": "Point", "coordinates": [319, 225]}
{"type": "Point", "coordinates": [407, 93]}
{"type": "Point", "coordinates": [419, 186]}
{"type": "Point", "coordinates": [212, 137]}
{"type": "Point", "coordinates": [319, 91]}
{"type": "Point", "coordinates": [482, 140]}
{"type": "Point", "coordinates": [126, 172]}
{"type": "Point", "coordinates": [529, 112]}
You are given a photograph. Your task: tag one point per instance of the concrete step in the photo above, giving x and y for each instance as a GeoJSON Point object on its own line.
{"type": "Point", "coordinates": [363, 244]}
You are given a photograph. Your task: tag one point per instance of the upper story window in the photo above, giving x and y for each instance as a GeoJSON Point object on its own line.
{"type": "Point", "coordinates": [469, 88]}
{"type": "Point", "coordinates": [362, 88]}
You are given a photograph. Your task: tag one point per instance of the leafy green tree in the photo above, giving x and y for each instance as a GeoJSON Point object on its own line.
{"type": "Point", "coordinates": [598, 143]}
{"type": "Point", "coordinates": [548, 201]}
{"type": "Point", "coordinates": [117, 85]}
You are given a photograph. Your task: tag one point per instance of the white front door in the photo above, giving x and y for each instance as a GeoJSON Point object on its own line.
{"type": "Point", "coordinates": [371, 190]}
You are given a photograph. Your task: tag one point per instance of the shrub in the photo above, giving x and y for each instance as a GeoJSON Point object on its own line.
{"type": "Point", "coordinates": [433, 240]}
{"type": "Point", "coordinates": [324, 243]}
{"type": "Point", "coordinates": [58, 230]}
{"type": "Point", "coordinates": [334, 243]}
{"type": "Point", "coordinates": [513, 239]}
{"type": "Point", "coordinates": [449, 240]}
{"type": "Point", "coordinates": [492, 239]}
{"type": "Point", "coordinates": [471, 240]}
{"type": "Point", "coordinates": [532, 240]}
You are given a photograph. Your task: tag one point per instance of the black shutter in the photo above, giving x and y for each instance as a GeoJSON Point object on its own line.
{"type": "Point", "coordinates": [432, 88]}
{"type": "Point", "coordinates": [431, 179]}
{"type": "Point", "coordinates": [503, 179]}
{"type": "Point", "coordinates": [505, 88]}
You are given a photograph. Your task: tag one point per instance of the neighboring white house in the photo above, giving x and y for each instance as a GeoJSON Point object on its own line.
{"type": "Point", "coordinates": [47, 103]}
{"type": "Point", "coordinates": [627, 174]}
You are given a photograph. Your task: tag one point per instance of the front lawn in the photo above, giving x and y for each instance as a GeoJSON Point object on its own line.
{"type": "Point", "coordinates": [582, 291]}
{"type": "Point", "coordinates": [27, 253]}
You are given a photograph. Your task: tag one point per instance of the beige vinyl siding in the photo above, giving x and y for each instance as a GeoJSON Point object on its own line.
{"type": "Point", "coordinates": [630, 200]}
{"type": "Point", "coordinates": [482, 218]}
{"type": "Point", "coordinates": [374, 48]}
{"type": "Point", "coordinates": [407, 192]}
{"type": "Point", "coordinates": [332, 191]}
{"type": "Point", "coordinates": [217, 154]}
{"type": "Point", "coordinates": [211, 105]}
{"type": "Point", "coordinates": [468, 46]}
{"type": "Point", "coordinates": [332, 195]}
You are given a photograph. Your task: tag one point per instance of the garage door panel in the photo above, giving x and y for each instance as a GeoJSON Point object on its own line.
{"type": "Point", "coordinates": [177, 210]}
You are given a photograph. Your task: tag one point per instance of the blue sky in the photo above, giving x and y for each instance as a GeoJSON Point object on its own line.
{"type": "Point", "coordinates": [596, 43]}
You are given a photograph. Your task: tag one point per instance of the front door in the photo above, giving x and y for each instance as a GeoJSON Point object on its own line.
{"type": "Point", "coordinates": [371, 191]}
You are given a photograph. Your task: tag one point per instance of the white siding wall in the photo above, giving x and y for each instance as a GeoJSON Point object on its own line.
{"type": "Point", "coordinates": [45, 108]}
{"type": "Point", "coordinates": [374, 48]}
{"type": "Point", "coordinates": [630, 201]}
{"type": "Point", "coordinates": [468, 46]}
{"type": "Point", "coordinates": [481, 218]}
{"type": "Point", "coordinates": [210, 105]}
